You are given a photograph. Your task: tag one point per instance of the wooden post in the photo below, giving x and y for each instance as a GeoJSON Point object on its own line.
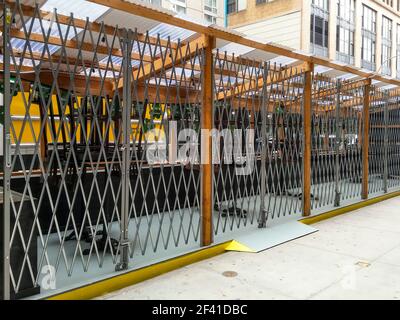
{"type": "Point", "coordinates": [206, 145]}
{"type": "Point", "coordinates": [365, 141]}
{"type": "Point", "coordinates": [307, 115]}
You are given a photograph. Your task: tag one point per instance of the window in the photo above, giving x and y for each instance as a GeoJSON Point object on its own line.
{"type": "Point", "coordinates": [242, 4]}
{"type": "Point", "coordinates": [210, 11]}
{"type": "Point", "coordinates": [179, 6]}
{"type": "Point", "coordinates": [319, 27]}
{"type": "Point", "coordinates": [232, 6]}
{"type": "Point", "coordinates": [386, 55]}
{"type": "Point", "coordinates": [345, 31]}
{"type": "Point", "coordinates": [388, 2]}
{"type": "Point", "coordinates": [236, 5]}
{"type": "Point", "coordinates": [368, 50]}
{"type": "Point", "coordinates": [210, 6]}
{"type": "Point", "coordinates": [210, 19]}
{"type": "Point", "coordinates": [179, 9]}
{"type": "Point", "coordinates": [261, 1]}
{"type": "Point", "coordinates": [155, 2]}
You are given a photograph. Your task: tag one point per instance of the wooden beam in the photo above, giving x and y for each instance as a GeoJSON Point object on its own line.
{"type": "Point", "coordinates": [73, 44]}
{"type": "Point", "coordinates": [183, 53]}
{"type": "Point", "coordinates": [20, 68]}
{"type": "Point", "coordinates": [72, 62]}
{"type": "Point", "coordinates": [347, 86]}
{"type": "Point", "coordinates": [79, 85]}
{"type": "Point", "coordinates": [365, 141]}
{"type": "Point", "coordinates": [276, 77]}
{"type": "Point", "coordinates": [206, 143]}
{"type": "Point", "coordinates": [171, 94]}
{"type": "Point", "coordinates": [307, 116]}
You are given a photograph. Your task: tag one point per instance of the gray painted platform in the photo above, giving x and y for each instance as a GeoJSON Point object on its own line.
{"type": "Point", "coordinates": [353, 256]}
{"type": "Point", "coordinates": [281, 227]}
{"type": "Point", "coordinates": [257, 240]}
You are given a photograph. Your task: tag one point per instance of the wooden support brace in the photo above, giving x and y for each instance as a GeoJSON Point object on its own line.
{"type": "Point", "coordinates": [206, 150]}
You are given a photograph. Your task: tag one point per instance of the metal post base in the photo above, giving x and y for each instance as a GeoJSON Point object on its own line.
{"type": "Point", "coordinates": [121, 266]}
{"type": "Point", "coordinates": [337, 199]}
{"type": "Point", "coordinates": [262, 223]}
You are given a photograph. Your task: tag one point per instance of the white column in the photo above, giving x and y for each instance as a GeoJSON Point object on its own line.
{"type": "Point", "coordinates": [378, 39]}
{"type": "Point", "coordinates": [332, 29]}
{"type": "Point", "coordinates": [305, 25]}
{"type": "Point", "coordinates": [357, 33]}
{"type": "Point", "coordinates": [394, 46]}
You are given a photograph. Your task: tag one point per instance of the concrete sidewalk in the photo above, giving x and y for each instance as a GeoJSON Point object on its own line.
{"type": "Point", "coordinates": [352, 256]}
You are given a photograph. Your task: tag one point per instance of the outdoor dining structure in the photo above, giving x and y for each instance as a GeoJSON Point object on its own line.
{"type": "Point", "coordinates": [131, 144]}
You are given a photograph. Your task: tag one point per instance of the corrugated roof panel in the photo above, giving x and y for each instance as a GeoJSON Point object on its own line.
{"type": "Point", "coordinates": [388, 87]}
{"type": "Point", "coordinates": [25, 62]}
{"type": "Point", "coordinates": [347, 76]}
{"type": "Point", "coordinates": [235, 49]}
{"type": "Point", "coordinates": [180, 72]}
{"type": "Point", "coordinates": [184, 16]}
{"type": "Point", "coordinates": [147, 49]}
{"type": "Point", "coordinates": [56, 30]}
{"type": "Point", "coordinates": [282, 60]}
{"type": "Point", "coordinates": [115, 60]}
{"type": "Point", "coordinates": [79, 8]}
{"type": "Point", "coordinates": [174, 33]}
{"type": "Point", "coordinates": [163, 82]}
{"type": "Point", "coordinates": [127, 20]}
{"type": "Point", "coordinates": [38, 47]}
{"type": "Point", "coordinates": [321, 69]}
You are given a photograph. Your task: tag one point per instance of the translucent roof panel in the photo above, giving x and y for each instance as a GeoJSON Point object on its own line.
{"type": "Point", "coordinates": [236, 49]}
{"type": "Point", "coordinates": [88, 72]}
{"type": "Point", "coordinates": [347, 76]}
{"type": "Point", "coordinates": [163, 82]}
{"type": "Point", "coordinates": [25, 62]}
{"type": "Point", "coordinates": [282, 60]}
{"type": "Point", "coordinates": [79, 8]}
{"type": "Point", "coordinates": [115, 60]}
{"type": "Point", "coordinates": [37, 47]}
{"type": "Point", "coordinates": [147, 49]}
{"type": "Point", "coordinates": [377, 103]}
{"type": "Point", "coordinates": [184, 16]}
{"type": "Point", "coordinates": [389, 86]}
{"type": "Point", "coordinates": [321, 69]}
{"type": "Point", "coordinates": [167, 31]}
{"type": "Point", "coordinates": [55, 30]}
{"type": "Point", "coordinates": [184, 73]}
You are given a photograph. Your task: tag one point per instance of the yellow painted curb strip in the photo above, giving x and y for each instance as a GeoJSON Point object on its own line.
{"type": "Point", "coordinates": [352, 207]}
{"type": "Point", "coordinates": [121, 281]}
{"type": "Point", "coordinates": [237, 246]}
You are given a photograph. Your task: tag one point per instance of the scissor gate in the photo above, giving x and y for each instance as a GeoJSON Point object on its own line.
{"type": "Point", "coordinates": [103, 167]}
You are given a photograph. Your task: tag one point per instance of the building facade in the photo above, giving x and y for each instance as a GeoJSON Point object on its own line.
{"type": "Point", "coordinates": [212, 11]}
{"type": "Point", "coordinates": [363, 33]}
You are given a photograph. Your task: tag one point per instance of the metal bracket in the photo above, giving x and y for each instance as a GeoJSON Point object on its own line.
{"type": "Point", "coordinates": [337, 199]}
{"type": "Point", "coordinates": [262, 223]}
